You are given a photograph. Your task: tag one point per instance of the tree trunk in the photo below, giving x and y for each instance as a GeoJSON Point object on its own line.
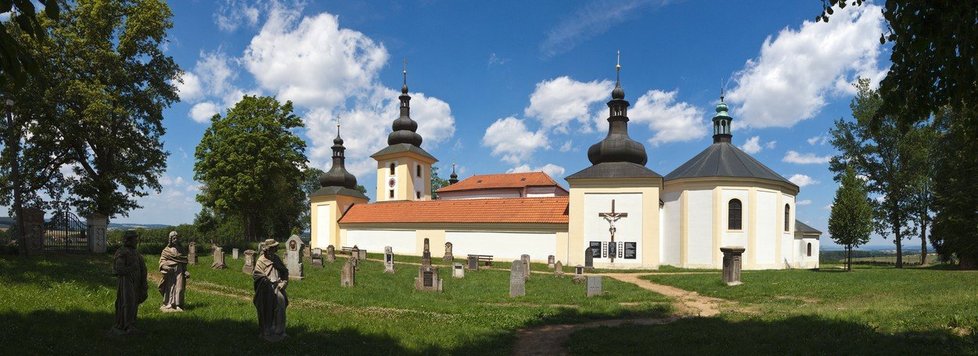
{"type": "Point", "coordinates": [13, 140]}
{"type": "Point", "coordinates": [967, 262]}
{"type": "Point", "coordinates": [849, 258]}
{"type": "Point", "coordinates": [923, 240]}
{"type": "Point", "coordinates": [898, 240]}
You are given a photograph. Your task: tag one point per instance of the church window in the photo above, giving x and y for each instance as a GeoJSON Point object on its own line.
{"type": "Point", "coordinates": [787, 213]}
{"type": "Point", "coordinates": [734, 215]}
{"type": "Point", "coordinates": [419, 170]}
{"type": "Point", "coordinates": [417, 194]}
{"type": "Point", "coordinates": [392, 168]}
{"type": "Point", "coordinates": [391, 193]}
{"type": "Point", "coordinates": [809, 249]}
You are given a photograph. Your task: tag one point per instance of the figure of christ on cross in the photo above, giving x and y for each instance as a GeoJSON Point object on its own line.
{"type": "Point", "coordinates": [612, 217]}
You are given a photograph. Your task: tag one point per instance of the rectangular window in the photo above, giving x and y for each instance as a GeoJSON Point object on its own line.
{"type": "Point", "coordinates": [595, 249]}
{"type": "Point", "coordinates": [419, 170]}
{"type": "Point", "coordinates": [631, 250]}
{"type": "Point", "coordinates": [418, 194]}
{"type": "Point", "coordinates": [391, 193]}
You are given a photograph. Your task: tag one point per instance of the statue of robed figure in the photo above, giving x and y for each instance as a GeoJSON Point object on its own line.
{"type": "Point", "coordinates": [271, 278]}
{"type": "Point", "coordinates": [173, 266]}
{"type": "Point", "coordinates": [130, 268]}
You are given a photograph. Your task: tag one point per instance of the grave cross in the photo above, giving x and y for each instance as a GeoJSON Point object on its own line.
{"type": "Point", "coordinates": [612, 217]}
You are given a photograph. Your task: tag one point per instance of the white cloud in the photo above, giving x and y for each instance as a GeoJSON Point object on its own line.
{"type": "Point", "coordinates": [495, 60]}
{"type": "Point", "coordinates": [234, 13]}
{"type": "Point", "coordinates": [552, 170]}
{"type": "Point", "coordinates": [670, 120]}
{"type": "Point", "coordinates": [562, 100]}
{"type": "Point", "coordinates": [802, 180]}
{"type": "Point", "coordinates": [589, 21]}
{"type": "Point", "coordinates": [805, 158]}
{"type": "Point", "coordinates": [804, 202]}
{"type": "Point", "coordinates": [798, 69]}
{"type": "Point", "coordinates": [567, 146]}
{"type": "Point", "coordinates": [510, 139]}
{"type": "Point", "coordinates": [202, 112]}
{"type": "Point", "coordinates": [818, 140]}
{"type": "Point", "coordinates": [770, 145]}
{"type": "Point", "coordinates": [189, 89]}
{"type": "Point", "coordinates": [752, 145]}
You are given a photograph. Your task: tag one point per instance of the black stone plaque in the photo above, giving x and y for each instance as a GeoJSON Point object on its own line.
{"type": "Point", "coordinates": [631, 250]}
{"type": "Point", "coordinates": [389, 257]}
{"type": "Point", "coordinates": [473, 263]}
{"type": "Point", "coordinates": [428, 276]}
{"type": "Point", "coordinates": [596, 249]}
{"type": "Point", "coordinates": [612, 249]}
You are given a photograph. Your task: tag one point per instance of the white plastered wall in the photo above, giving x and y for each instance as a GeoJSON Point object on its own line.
{"type": "Point", "coordinates": [700, 224]}
{"type": "Point", "coordinates": [768, 217]}
{"type": "Point", "coordinates": [669, 253]}
{"type": "Point", "coordinates": [503, 246]}
{"type": "Point", "coordinates": [402, 241]}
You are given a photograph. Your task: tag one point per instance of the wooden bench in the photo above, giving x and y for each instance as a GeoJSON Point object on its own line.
{"type": "Point", "coordinates": [346, 250]}
{"type": "Point", "coordinates": [485, 260]}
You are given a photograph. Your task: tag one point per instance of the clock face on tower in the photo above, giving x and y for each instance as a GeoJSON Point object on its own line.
{"type": "Point", "coordinates": [391, 182]}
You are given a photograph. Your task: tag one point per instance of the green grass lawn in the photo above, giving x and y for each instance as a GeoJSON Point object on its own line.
{"type": "Point", "coordinates": [872, 310]}
{"type": "Point", "coordinates": [64, 304]}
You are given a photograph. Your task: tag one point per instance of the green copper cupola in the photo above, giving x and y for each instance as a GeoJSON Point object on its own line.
{"type": "Point", "coordinates": [721, 123]}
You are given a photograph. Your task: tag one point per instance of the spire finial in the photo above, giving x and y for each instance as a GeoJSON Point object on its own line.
{"type": "Point", "coordinates": [618, 70]}
{"type": "Point", "coordinates": [405, 71]}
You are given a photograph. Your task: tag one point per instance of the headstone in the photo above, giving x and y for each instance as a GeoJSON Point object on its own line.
{"type": "Point", "coordinates": [525, 259]}
{"type": "Point", "coordinates": [293, 257]}
{"type": "Point", "coordinates": [348, 276]}
{"type": "Point", "coordinates": [559, 269]}
{"type": "Point", "coordinates": [428, 280]}
{"type": "Point", "coordinates": [218, 257]}
{"type": "Point", "coordinates": [316, 256]}
{"type": "Point", "coordinates": [588, 259]}
{"type": "Point", "coordinates": [458, 271]}
{"type": "Point", "coordinates": [307, 251]}
{"type": "Point", "coordinates": [330, 254]}
{"type": "Point", "coordinates": [192, 253]}
{"type": "Point", "coordinates": [550, 261]}
{"type": "Point", "coordinates": [593, 286]}
{"type": "Point", "coordinates": [473, 263]}
{"type": "Point", "coordinates": [517, 279]}
{"type": "Point", "coordinates": [97, 224]}
{"type": "Point", "coordinates": [732, 261]}
{"type": "Point", "coordinates": [388, 259]}
{"type": "Point", "coordinates": [449, 258]}
{"type": "Point", "coordinates": [249, 262]}
{"type": "Point", "coordinates": [33, 237]}
{"type": "Point", "coordinates": [234, 253]}
{"type": "Point", "coordinates": [362, 255]}
{"type": "Point", "coordinates": [426, 254]}
{"type": "Point", "coordinates": [579, 276]}
{"type": "Point", "coordinates": [355, 257]}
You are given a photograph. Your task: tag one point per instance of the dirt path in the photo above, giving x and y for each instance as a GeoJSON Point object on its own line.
{"type": "Point", "coordinates": [550, 339]}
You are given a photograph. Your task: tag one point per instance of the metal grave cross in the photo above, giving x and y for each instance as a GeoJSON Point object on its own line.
{"type": "Point", "coordinates": [612, 217]}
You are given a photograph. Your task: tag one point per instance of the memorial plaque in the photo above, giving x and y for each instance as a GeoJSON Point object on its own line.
{"type": "Point", "coordinates": [732, 261]}
{"type": "Point", "coordinates": [448, 258]}
{"type": "Point", "coordinates": [559, 269]}
{"type": "Point", "coordinates": [595, 249]}
{"type": "Point", "coordinates": [473, 263]}
{"type": "Point", "coordinates": [579, 270]}
{"type": "Point", "coordinates": [631, 250]}
{"type": "Point", "coordinates": [612, 249]}
{"type": "Point", "coordinates": [593, 286]}
{"type": "Point", "coordinates": [218, 258]}
{"type": "Point", "coordinates": [348, 276]}
{"type": "Point", "coordinates": [428, 279]}
{"type": "Point", "coordinates": [550, 261]}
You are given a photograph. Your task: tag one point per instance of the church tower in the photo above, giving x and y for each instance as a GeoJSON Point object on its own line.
{"type": "Point", "coordinates": [403, 167]}
{"type": "Point", "coordinates": [614, 203]}
{"type": "Point", "coordinates": [338, 193]}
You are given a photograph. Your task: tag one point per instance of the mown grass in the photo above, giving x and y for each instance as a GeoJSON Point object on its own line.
{"type": "Point", "coordinates": [872, 310]}
{"type": "Point", "coordinates": [64, 304]}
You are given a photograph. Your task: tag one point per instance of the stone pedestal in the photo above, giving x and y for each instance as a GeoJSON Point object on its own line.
{"type": "Point", "coordinates": [348, 276]}
{"type": "Point", "coordinates": [192, 253]}
{"type": "Point", "coordinates": [428, 280]}
{"type": "Point", "coordinates": [458, 271]}
{"type": "Point", "coordinates": [579, 274]}
{"type": "Point", "coordinates": [234, 253]}
{"type": "Point", "coordinates": [388, 259]}
{"type": "Point", "coordinates": [593, 286]}
{"type": "Point", "coordinates": [448, 258]}
{"type": "Point", "coordinates": [316, 256]}
{"type": "Point", "coordinates": [732, 262]}
{"type": "Point", "coordinates": [32, 241]}
{"type": "Point", "coordinates": [97, 225]}
{"type": "Point", "coordinates": [293, 257]}
{"type": "Point", "coordinates": [249, 262]}
{"type": "Point", "coordinates": [218, 258]}
{"type": "Point", "coordinates": [517, 279]}
{"type": "Point", "coordinates": [330, 254]}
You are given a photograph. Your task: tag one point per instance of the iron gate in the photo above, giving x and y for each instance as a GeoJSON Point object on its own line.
{"type": "Point", "coordinates": [65, 233]}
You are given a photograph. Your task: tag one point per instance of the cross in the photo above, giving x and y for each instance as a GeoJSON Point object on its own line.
{"type": "Point", "coordinates": [612, 217]}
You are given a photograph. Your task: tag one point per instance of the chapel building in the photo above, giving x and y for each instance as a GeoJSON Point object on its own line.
{"type": "Point", "coordinates": [625, 214]}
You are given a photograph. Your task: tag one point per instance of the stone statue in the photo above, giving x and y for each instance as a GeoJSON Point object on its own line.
{"type": "Point", "coordinates": [173, 266]}
{"type": "Point", "coordinates": [271, 278]}
{"type": "Point", "coordinates": [130, 268]}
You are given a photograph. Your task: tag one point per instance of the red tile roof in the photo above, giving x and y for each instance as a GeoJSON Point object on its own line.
{"type": "Point", "coordinates": [549, 210]}
{"type": "Point", "coordinates": [502, 181]}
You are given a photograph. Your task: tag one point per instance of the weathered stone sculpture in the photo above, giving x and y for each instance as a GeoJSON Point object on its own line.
{"type": "Point", "coordinates": [192, 253]}
{"type": "Point", "coordinates": [448, 258]}
{"type": "Point", "coordinates": [249, 262]}
{"type": "Point", "coordinates": [271, 278]}
{"type": "Point", "coordinates": [130, 268]}
{"type": "Point", "coordinates": [293, 257]}
{"type": "Point", "coordinates": [330, 254]}
{"type": "Point", "coordinates": [348, 276]}
{"type": "Point", "coordinates": [732, 261]}
{"type": "Point", "coordinates": [218, 257]}
{"type": "Point", "coordinates": [173, 267]}
{"type": "Point", "coordinates": [388, 259]}
{"type": "Point", "coordinates": [559, 269]}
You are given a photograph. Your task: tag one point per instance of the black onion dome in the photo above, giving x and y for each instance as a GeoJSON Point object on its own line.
{"type": "Point", "coordinates": [337, 176]}
{"type": "Point", "coordinates": [617, 146]}
{"type": "Point", "coordinates": [404, 128]}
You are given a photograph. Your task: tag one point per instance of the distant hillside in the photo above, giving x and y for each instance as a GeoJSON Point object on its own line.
{"type": "Point", "coordinates": [6, 221]}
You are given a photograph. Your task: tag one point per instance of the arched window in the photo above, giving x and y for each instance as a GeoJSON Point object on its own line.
{"type": "Point", "coordinates": [809, 249]}
{"type": "Point", "coordinates": [392, 168]}
{"type": "Point", "coordinates": [787, 214]}
{"type": "Point", "coordinates": [734, 215]}
{"type": "Point", "coordinates": [419, 170]}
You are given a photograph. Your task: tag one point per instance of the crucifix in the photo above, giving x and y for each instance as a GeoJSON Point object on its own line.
{"type": "Point", "coordinates": [612, 217]}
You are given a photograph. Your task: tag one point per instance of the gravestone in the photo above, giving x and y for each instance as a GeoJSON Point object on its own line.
{"type": "Point", "coordinates": [579, 276]}
{"type": "Point", "coordinates": [218, 253]}
{"type": "Point", "coordinates": [426, 254]}
{"type": "Point", "coordinates": [559, 269]}
{"type": "Point", "coordinates": [525, 259]}
{"type": "Point", "coordinates": [473, 263]}
{"type": "Point", "coordinates": [97, 224]}
{"type": "Point", "coordinates": [307, 251]}
{"type": "Point", "coordinates": [355, 257]}
{"type": "Point", "coordinates": [234, 253]}
{"type": "Point", "coordinates": [249, 262]}
{"type": "Point", "coordinates": [32, 242]}
{"type": "Point", "coordinates": [458, 271]}
{"type": "Point", "coordinates": [588, 259]}
{"type": "Point", "coordinates": [449, 258]}
{"type": "Point", "coordinates": [293, 257]}
{"type": "Point", "coordinates": [550, 261]}
{"type": "Point", "coordinates": [388, 259]}
{"type": "Point", "coordinates": [593, 286]}
{"type": "Point", "coordinates": [316, 256]}
{"type": "Point", "coordinates": [517, 279]}
{"type": "Point", "coordinates": [330, 254]}
{"type": "Point", "coordinates": [348, 276]}
{"type": "Point", "coordinates": [732, 261]}
{"type": "Point", "coordinates": [428, 280]}
{"type": "Point", "coordinates": [192, 253]}
{"type": "Point", "coordinates": [362, 255]}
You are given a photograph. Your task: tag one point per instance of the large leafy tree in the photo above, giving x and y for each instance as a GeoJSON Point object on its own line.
{"type": "Point", "coordinates": [17, 63]}
{"type": "Point", "coordinates": [886, 157]}
{"type": "Point", "coordinates": [436, 182]}
{"type": "Point", "coordinates": [955, 199]}
{"type": "Point", "coordinates": [253, 167]}
{"type": "Point", "coordinates": [851, 219]}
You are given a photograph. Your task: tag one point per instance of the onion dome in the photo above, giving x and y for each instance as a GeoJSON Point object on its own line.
{"type": "Point", "coordinates": [452, 179]}
{"type": "Point", "coordinates": [617, 146]}
{"type": "Point", "coordinates": [337, 176]}
{"type": "Point", "coordinates": [404, 128]}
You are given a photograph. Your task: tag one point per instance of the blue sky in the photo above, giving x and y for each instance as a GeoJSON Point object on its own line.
{"type": "Point", "coordinates": [502, 86]}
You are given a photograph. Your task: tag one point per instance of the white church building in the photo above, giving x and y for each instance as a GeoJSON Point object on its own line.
{"type": "Point", "coordinates": [625, 214]}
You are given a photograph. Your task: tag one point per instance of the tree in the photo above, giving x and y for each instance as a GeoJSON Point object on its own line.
{"type": "Point", "coordinates": [851, 219]}
{"type": "Point", "coordinates": [436, 182]}
{"type": "Point", "coordinates": [252, 166]}
{"type": "Point", "coordinates": [954, 232]}
{"type": "Point", "coordinates": [884, 156]}
{"type": "Point", "coordinates": [16, 61]}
